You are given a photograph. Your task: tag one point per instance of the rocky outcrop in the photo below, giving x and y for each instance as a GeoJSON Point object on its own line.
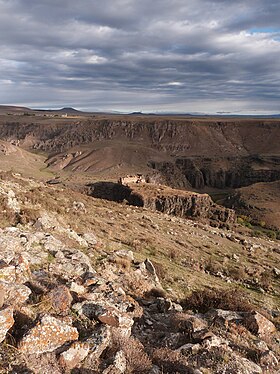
{"type": "Point", "coordinates": [166, 200]}
{"type": "Point", "coordinates": [220, 172]}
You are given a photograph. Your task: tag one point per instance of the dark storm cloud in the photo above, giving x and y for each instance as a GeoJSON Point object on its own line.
{"type": "Point", "coordinates": [176, 55]}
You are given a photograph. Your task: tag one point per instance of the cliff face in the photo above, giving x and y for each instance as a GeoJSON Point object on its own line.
{"type": "Point", "coordinates": [184, 137]}
{"type": "Point", "coordinates": [197, 206]}
{"type": "Point", "coordinates": [223, 172]}
{"type": "Point", "coordinates": [178, 203]}
{"type": "Point", "coordinates": [183, 153]}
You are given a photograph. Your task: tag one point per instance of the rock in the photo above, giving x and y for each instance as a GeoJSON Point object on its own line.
{"type": "Point", "coordinates": [2, 296]}
{"type": "Point", "coordinates": [61, 299]}
{"type": "Point", "coordinates": [118, 366]}
{"type": "Point", "coordinates": [259, 325]}
{"type": "Point", "coordinates": [189, 324]}
{"type": "Point", "coordinates": [268, 360]}
{"type": "Point", "coordinates": [15, 294]}
{"type": "Point", "coordinates": [77, 352]}
{"type": "Point", "coordinates": [8, 274]}
{"type": "Point", "coordinates": [77, 288]}
{"type": "Point", "coordinates": [98, 341]}
{"type": "Point", "coordinates": [47, 336]}
{"type": "Point", "coordinates": [221, 317]}
{"type": "Point", "coordinates": [90, 238]}
{"type": "Point", "coordinates": [6, 322]}
{"type": "Point", "coordinates": [128, 255]}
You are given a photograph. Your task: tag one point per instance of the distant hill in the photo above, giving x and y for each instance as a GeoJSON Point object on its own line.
{"type": "Point", "coordinates": [13, 109]}
{"type": "Point", "coordinates": [69, 110]}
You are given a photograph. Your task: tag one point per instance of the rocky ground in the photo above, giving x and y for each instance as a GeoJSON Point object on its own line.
{"type": "Point", "coordinates": [92, 286]}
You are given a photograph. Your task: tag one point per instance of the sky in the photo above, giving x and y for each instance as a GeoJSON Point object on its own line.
{"type": "Point", "coordinates": [188, 56]}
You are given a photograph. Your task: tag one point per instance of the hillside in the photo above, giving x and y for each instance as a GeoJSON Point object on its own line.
{"type": "Point", "coordinates": [123, 289]}
{"type": "Point", "coordinates": [260, 201]}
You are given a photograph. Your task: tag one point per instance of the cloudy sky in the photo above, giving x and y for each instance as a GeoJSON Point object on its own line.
{"type": "Point", "coordinates": [144, 55]}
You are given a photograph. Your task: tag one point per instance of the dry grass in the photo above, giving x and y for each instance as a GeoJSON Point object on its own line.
{"type": "Point", "coordinates": [137, 359]}
{"type": "Point", "coordinates": [204, 300]}
{"type": "Point", "coordinates": [170, 362]}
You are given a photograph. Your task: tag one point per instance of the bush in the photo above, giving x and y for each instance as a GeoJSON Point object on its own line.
{"type": "Point", "coordinates": [204, 300]}
{"type": "Point", "coordinates": [271, 234]}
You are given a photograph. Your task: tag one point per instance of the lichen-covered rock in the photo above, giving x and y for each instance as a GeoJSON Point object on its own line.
{"type": "Point", "coordinates": [259, 325]}
{"type": "Point", "coordinates": [241, 365]}
{"type": "Point", "coordinates": [8, 273]}
{"type": "Point", "coordinates": [47, 336]}
{"type": "Point", "coordinates": [15, 294]}
{"type": "Point", "coordinates": [6, 322]}
{"type": "Point", "coordinates": [98, 341]}
{"type": "Point", "coordinates": [69, 262]}
{"type": "Point", "coordinates": [77, 352]}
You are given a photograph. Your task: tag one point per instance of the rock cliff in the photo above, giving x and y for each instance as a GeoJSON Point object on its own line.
{"type": "Point", "coordinates": [163, 199]}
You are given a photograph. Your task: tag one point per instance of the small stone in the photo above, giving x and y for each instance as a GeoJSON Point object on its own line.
{"type": "Point", "coordinates": [77, 288]}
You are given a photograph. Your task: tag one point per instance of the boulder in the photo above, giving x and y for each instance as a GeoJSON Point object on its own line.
{"type": "Point", "coordinates": [49, 334]}
{"type": "Point", "coordinates": [259, 325]}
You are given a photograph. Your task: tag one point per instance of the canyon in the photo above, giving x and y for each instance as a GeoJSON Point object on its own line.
{"type": "Point", "coordinates": [200, 154]}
